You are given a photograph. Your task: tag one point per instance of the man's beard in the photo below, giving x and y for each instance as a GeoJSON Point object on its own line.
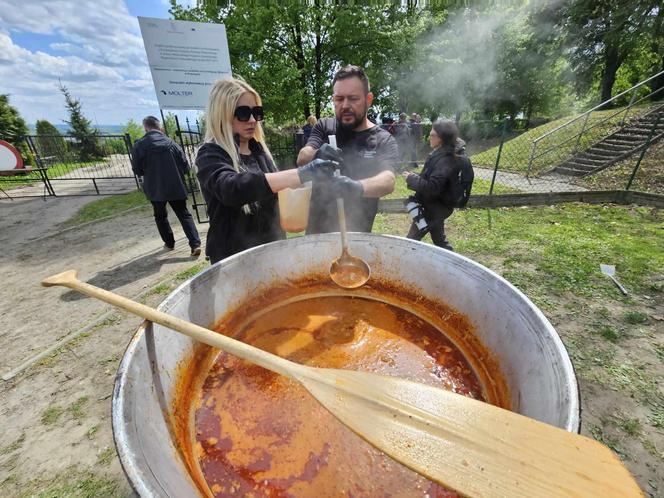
{"type": "Point", "coordinates": [354, 124]}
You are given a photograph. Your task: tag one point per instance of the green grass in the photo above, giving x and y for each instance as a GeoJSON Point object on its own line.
{"type": "Point", "coordinates": [516, 152]}
{"type": "Point", "coordinates": [108, 206]}
{"type": "Point", "coordinates": [191, 271]}
{"type": "Point", "coordinates": [92, 431]}
{"type": "Point", "coordinates": [609, 333]}
{"type": "Point", "coordinates": [611, 441]}
{"type": "Point", "coordinates": [657, 419]}
{"type": "Point", "coordinates": [557, 249]}
{"type": "Point", "coordinates": [635, 317]}
{"type": "Point", "coordinates": [77, 485]}
{"type": "Point", "coordinates": [649, 177]}
{"type": "Point", "coordinates": [631, 426]}
{"type": "Point", "coordinates": [54, 355]}
{"type": "Point", "coordinates": [77, 408]}
{"type": "Point", "coordinates": [51, 415]}
{"type": "Point", "coordinates": [106, 456]}
{"type": "Point", "coordinates": [158, 289]}
{"type": "Point", "coordinates": [480, 187]}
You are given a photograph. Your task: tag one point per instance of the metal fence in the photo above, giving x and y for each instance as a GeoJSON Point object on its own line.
{"type": "Point", "coordinates": [501, 154]}
{"type": "Point", "coordinates": [605, 163]}
{"type": "Point", "coordinates": [571, 145]}
{"type": "Point", "coordinates": [64, 165]}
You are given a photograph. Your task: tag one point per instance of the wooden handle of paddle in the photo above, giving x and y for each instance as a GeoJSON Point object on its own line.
{"type": "Point", "coordinates": [240, 349]}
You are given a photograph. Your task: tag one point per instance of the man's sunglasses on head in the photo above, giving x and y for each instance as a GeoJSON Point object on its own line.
{"type": "Point", "coordinates": [244, 112]}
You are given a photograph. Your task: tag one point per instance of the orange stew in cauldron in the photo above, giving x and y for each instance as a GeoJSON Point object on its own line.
{"type": "Point", "coordinates": [256, 433]}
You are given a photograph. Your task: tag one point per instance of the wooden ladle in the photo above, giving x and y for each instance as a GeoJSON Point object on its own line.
{"type": "Point", "coordinates": [472, 447]}
{"type": "Point", "coordinates": [347, 271]}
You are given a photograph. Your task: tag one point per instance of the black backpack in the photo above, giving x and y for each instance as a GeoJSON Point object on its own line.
{"type": "Point", "coordinates": [461, 184]}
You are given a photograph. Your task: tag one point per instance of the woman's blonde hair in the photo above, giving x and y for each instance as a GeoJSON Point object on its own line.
{"type": "Point", "coordinates": [220, 112]}
{"type": "Point", "coordinates": [312, 120]}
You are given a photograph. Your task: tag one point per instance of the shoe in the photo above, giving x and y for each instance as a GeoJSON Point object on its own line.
{"type": "Point", "coordinates": [196, 251]}
{"type": "Point", "coordinates": [169, 248]}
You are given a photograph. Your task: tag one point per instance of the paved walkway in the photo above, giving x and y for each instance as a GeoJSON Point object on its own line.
{"type": "Point", "coordinates": [546, 183]}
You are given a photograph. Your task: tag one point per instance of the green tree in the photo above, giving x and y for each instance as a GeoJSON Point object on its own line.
{"type": "Point", "coordinates": [532, 74]}
{"type": "Point", "coordinates": [13, 128]}
{"type": "Point", "coordinates": [81, 128]}
{"type": "Point", "coordinates": [602, 35]}
{"type": "Point", "coordinates": [170, 124]}
{"type": "Point", "coordinates": [134, 130]}
{"type": "Point", "coordinates": [289, 52]}
{"type": "Point", "coordinates": [49, 140]}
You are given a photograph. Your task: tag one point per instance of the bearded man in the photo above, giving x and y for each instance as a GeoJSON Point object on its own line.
{"type": "Point", "coordinates": [367, 155]}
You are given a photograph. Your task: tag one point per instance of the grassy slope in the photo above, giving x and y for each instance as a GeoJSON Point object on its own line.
{"type": "Point", "coordinates": [649, 177]}
{"type": "Point", "coordinates": [516, 152]}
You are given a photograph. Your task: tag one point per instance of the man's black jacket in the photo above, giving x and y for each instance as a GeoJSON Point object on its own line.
{"type": "Point", "coordinates": [162, 164]}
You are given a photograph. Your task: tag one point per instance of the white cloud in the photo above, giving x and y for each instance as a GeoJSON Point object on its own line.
{"type": "Point", "coordinates": [97, 52]}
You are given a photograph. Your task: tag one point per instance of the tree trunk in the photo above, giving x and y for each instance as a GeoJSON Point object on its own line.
{"type": "Point", "coordinates": [612, 62]}
{"type": "Point", "coordinates": [318, 70]}
{"type": "Point", "coordinates": [529, 113]}
{"type": "Point", "coordinates": [300, 63]}
{"type": "Point", "coordinates": [658, 85]}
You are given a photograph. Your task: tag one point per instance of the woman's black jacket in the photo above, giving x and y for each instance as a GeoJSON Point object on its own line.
{"type": "Point", "coordinates": [226, 192]}
{"type": "Point", "coordinates": [430, 187]}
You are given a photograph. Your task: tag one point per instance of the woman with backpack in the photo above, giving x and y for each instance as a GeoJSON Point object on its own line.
{"type": "Point", "coordinates": [444, 184]}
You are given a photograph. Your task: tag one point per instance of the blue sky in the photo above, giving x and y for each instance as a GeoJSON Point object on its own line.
{"type": "Point", "coordinates": [94, 47]}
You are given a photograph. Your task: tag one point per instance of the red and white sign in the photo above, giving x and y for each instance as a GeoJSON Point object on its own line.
{"type": "Point", "coordinates": [10, 158]}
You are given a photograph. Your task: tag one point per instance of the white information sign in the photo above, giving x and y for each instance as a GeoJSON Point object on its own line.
{"type": "Point", "coordinates": [185, 59]}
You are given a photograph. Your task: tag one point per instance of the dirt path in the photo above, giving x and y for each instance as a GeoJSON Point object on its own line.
{"type": "Point", "coordinates": [58, 409]}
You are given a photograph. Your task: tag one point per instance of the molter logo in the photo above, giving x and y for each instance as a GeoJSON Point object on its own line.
{"type": "Point", "coordinates": [178, 93]}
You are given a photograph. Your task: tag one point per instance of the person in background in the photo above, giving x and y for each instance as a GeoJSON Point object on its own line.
{"type": "Point", "coordinates": [163, 166]}
{"type": "Point", "coordinates": [432, 185]}
{"type": "Point", "coordinates": [306, 129]}
{"type": "Point", "coordinates": [367, 155]}
{"type": "Point", "coordinates": [404, 139]}
{"type": "Point", "coordinates": [416, 135]}
{"type": "Point", "coordinates": [237, 174]}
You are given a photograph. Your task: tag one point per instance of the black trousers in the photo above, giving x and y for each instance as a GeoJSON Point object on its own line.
{"type": "Point", "coordinates": [186, 220]}
{"type": "Point", "coordinates": [435, 227]}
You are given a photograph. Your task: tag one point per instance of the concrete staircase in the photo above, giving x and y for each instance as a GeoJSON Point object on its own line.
{"type": "Point", "coordinates": [615, 147]}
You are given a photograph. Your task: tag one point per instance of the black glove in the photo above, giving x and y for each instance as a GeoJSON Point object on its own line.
{"type": "Point", "coordinates": [317, 169]}
{"type": "Point", "coordinates": [345, 187]}
{"type": "Point", "coordinates": [330, 153]}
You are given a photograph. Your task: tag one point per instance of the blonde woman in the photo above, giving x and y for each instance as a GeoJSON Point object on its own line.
{"type": "Point", "coordinates": [306, 129]}
{"type": "Point", "coordinates": [238, 177]}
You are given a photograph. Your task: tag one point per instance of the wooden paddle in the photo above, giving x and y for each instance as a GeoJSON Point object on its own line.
{"type": "Point", "coordinates": [472, 447]}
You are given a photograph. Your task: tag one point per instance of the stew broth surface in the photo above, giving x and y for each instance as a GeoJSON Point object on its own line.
{"type": "Point", "coordinates": [260, 434]}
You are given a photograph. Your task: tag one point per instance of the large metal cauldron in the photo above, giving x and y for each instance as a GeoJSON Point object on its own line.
{"type": "Point", "coordinates": [531, 356]}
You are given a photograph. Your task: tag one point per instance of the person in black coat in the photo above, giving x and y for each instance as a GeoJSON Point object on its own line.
{"type": "Point", "coordinates": [431, 186]}
{"type": "Point", "coordinates": [238, 177]}
{"type": "Point", "coordinates": [163, 166]}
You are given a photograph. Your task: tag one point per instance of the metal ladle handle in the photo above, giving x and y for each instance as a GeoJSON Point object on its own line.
{"type": "Point", "coordinates": [342, 220]}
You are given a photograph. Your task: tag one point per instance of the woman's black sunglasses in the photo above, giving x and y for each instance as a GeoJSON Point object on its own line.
{"type": "Point", "coordinates": [244, 112]}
